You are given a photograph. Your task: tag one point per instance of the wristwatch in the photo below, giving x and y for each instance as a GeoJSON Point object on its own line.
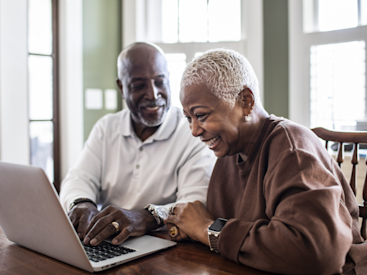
{"type": "Point", "coordinates": [214, 232]}
{"type": "Point", "coordinates": [81, 200]}
{"type": "Point", "coordinates": [159, 213]}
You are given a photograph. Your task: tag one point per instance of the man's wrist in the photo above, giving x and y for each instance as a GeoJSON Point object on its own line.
{"type": "Point", "coordinates": [81, 200]}
{"type": "Point", "coordinates": [159, 213]}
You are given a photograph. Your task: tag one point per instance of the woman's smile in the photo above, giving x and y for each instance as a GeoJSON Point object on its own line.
{"type": "Point", "coordinates": [213, 142]}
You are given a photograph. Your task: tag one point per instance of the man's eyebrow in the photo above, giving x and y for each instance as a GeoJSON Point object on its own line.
{"type": "Point", "coordinates": [161, 75]}
{"type": "Point", "coordinates": [137, 79]}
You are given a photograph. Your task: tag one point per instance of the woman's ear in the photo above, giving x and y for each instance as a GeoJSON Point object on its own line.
{"type": "Point", "coordinates": [247, 100]}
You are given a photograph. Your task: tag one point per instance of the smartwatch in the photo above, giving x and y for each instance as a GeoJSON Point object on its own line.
{"type": "Point", "coordinates": [213, 233]}
{"type": "Point", "coordinates": [81, 200]}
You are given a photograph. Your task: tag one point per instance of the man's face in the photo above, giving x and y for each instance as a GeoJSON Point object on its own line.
{"type": "Point", "coordinates": [145, 86]}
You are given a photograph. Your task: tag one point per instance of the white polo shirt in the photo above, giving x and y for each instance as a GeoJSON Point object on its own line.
{"type": "Point", "coordinates": [117, 168]}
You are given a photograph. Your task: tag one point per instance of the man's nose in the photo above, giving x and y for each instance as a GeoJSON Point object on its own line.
{"type": "Point", "coordinates": [152, 92]}
{"type": "Point", "coordinates": [196, 130]}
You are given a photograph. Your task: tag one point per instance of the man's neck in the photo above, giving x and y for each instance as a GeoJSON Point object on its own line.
{"type": "Point", "coordinates": [143, 132]}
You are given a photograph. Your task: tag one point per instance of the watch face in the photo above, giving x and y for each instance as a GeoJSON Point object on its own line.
{"type": "Point", "coordinates": [218, 225]}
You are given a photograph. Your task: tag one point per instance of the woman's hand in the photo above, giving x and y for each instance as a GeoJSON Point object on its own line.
{"type": "Point", "coordinates": [131, 223]}
{"type": "Point", "coordinates": [192, 219]}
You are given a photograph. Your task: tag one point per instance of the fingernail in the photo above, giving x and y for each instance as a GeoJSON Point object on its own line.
{"type": "Point", "coordinates": [114, 241]}
{"type": "Point", "coordinates": [86, 240]}
{"type": "Point", "coordinates": [94, 241]}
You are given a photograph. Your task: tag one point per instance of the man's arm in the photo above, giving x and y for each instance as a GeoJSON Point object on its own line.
{"type": "Point", "coordinates": [83, 181]}
{"type": "Point", "coordinates": [192, 173]}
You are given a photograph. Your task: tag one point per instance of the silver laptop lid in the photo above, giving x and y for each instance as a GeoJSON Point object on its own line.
{"type": "Point", "coordinates": [31, 215]}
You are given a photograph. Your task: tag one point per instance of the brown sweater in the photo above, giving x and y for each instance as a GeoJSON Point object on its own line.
{"type": "Point", "coordinates": [290, 209]}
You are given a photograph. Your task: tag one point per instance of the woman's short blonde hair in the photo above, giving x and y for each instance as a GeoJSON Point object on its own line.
{"type": "Point", "coordinates": [225, 72]}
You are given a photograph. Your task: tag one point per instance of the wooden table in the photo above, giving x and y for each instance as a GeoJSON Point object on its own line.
{"type": "Point", "coordinates": [185, 258]}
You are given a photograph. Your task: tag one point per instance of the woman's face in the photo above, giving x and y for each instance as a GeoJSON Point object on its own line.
{"type": "Point", "coordinates": [212, 119]}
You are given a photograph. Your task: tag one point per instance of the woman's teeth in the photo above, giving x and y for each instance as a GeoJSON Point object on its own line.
{"type": "Point", "coordinates": [210, 142]}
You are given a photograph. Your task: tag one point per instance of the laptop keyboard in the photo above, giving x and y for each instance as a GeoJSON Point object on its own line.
{"type": "Point", "coordinates": [105, 251]}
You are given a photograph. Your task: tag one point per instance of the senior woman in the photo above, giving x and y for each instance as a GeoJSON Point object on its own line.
{"type": "Point", "coordinates": [276, 201]}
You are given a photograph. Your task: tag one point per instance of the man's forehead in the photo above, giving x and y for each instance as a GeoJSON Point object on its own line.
{"type": "Point", "coordinates": [148, 67]}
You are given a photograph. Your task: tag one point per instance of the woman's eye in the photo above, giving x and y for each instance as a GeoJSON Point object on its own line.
{"type": "Point", "coordinates": [200, 116]}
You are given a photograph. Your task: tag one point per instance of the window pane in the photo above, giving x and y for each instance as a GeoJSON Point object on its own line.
{"type": "Point", "coordinates": [337, 14]}
{"type": "Point", "coordinates": [338, 85]}
{"type": "Point", "coordinates": [193, 18]}
{"type": "Point", "coordinates": [363, 12]}
{"type": "Point", "coordinates": [40, 26]}
{"type": "Point", "coordinates": [224, 20]}
{"type": "Point", "coordinates": [40, 87]}
{"type": "Point", "coordinates": [176, 66]}
{"type": "Point", "coordinates": [42, 146]}
{"type": "Point", "coordinates": [169, 21]}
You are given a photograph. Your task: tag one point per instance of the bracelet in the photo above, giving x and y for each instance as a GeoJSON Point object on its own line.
{"type": "Point", "coordinates": [81, 200]}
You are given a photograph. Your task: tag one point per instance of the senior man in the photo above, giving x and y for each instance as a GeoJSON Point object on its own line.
{"type": "Point", "coordinates": [138, 162]}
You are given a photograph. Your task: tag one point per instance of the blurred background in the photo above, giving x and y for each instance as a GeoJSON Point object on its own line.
{"type": "Point", "coordinates": [58, 63]}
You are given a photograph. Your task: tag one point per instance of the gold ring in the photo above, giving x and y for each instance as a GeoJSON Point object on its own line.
{"type": "Point", "coordinates": [116, 225]}
{"type": "Point", "coordinates": [173, 232]}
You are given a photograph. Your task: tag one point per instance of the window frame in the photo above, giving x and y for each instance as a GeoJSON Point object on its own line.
{"type": "Point", "coordinates": [55, 95]}
{"type": "Point", "coordinates": [299, 52]}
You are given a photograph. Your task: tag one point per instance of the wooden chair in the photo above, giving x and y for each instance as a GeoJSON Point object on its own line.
{"type": "Point", "coordinates": [354, 138]}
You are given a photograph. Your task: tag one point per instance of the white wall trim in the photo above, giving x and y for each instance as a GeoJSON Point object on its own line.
{"type": "Point", "coordinates": [71, 82]}
{"type": "Point", "coordinates": [14, 133]}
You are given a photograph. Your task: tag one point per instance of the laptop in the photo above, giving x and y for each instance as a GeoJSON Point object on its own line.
{"type": "Point", "coordinates": [32, 216]}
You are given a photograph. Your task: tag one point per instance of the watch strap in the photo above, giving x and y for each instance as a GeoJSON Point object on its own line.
{"type": "Point", "coordinates": [81, 200]}
{"type": "Point", "coordinates": [213, 241]}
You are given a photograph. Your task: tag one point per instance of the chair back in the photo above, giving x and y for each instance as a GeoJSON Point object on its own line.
{"type": "Point", "coordinates": [354, 138]}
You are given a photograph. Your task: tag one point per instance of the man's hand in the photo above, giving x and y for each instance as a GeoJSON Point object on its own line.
{"type": "Point", "coordinates": [132, 223]}
{"type": "Point", "coordinates": [81, 215]}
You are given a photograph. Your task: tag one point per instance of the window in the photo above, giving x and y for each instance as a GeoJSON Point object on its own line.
{"type": "Point", "coordinates": [338, 87]}
{"type": "Point", "coordinates": [185, 29]}
{"type": "Point", "coordinates": [337, 63]}
{"type": "Point", "coordinates": [43, 87]}
{"type": "Point", "coordinates": [330, 15]}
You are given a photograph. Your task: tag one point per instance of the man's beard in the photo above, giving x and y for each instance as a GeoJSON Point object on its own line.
{"type": "Point", "coordinates": [154, 122]}
{"type": "Point", "coordinates": [161, 103]}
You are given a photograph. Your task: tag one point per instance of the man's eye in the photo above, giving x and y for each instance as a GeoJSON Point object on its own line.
{"type": "Point", "coordinates": [160, 83]}
{"type": "Point", "coordinates": [188, 119]}
{"type": "Point", "coordinates": [137, 86]}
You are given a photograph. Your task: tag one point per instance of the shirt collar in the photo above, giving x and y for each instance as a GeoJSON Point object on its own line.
{"type": "Point", "coordinates": [163, 132]}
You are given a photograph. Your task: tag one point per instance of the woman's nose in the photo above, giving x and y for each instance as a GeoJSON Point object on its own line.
{"type": "Point", "coordinates": [196, 130]}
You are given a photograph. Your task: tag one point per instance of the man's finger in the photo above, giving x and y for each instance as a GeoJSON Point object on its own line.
{"type": "Point", "coordinates": [99, 218]}
{"type": "Point", "coordinates": [98, 227]}
{"type": "Point", "coordinates": [82, 226]}
{"type": "Point", "coordinates": [120, 238]}
{"type": "Point", "coordinates": [103, 234]}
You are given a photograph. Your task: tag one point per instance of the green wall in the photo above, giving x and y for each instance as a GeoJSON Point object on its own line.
{"type": "Point", "coordinates": [276, 90]}
{"type": "Point", "coordinates": [101, 46]}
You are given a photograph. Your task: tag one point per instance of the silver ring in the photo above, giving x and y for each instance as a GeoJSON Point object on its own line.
{"type": "Point", "coordinates": [116, 225]}
{"type": "Point", "coordinates": [173, 232]}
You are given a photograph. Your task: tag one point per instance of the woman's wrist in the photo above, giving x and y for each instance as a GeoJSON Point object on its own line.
{"type": "Point", "coordinates": [204, 233]}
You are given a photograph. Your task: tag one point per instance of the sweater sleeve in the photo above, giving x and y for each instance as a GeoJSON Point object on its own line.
{"type": "Point", "coordinates": [308, 230]}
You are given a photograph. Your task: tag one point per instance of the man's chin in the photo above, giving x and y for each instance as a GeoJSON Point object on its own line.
{"type": "Point", "coordinates": [154, 122]}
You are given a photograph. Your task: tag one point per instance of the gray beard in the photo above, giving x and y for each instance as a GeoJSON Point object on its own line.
{"type": "Point", "coordinates": [154, 123]}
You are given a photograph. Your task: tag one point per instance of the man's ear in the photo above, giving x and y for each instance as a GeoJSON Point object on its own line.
{"type": "Point", "coordinates": [247, 100]}
{"type": "Point", "coordinates": [119, 84]}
